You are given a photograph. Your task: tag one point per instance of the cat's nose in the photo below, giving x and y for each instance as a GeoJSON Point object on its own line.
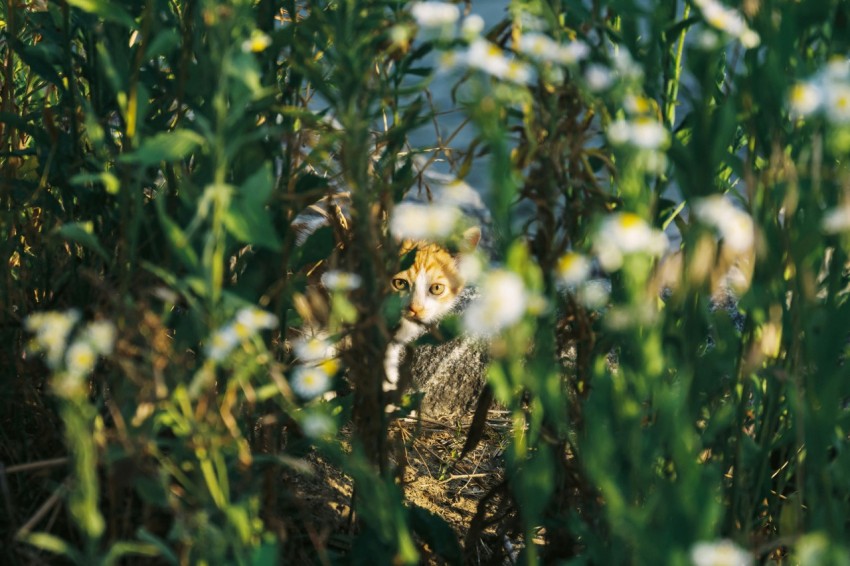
{"type": "Point", "coordinates": [415, 310]}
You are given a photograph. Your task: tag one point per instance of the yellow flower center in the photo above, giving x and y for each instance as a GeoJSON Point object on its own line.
{"type": "Point", "coordinates": [641, 105]}
{"type": "Point", "coordinates": [241, 330]}
{"type": "Point", "coordinates": [567, 262]}
{"type": "Point", "coordinates": [798, 93]}
{"type": "Point", "coordinates": [83, 358]}
{"type": "Point", "coordinates": [718, 21]}
{"type": "Point", "coordinates": [330, 367]}
{"type": "Point", "coordinates": [515, 71]}
{"type": "Point", "coordinates": [630, 220]}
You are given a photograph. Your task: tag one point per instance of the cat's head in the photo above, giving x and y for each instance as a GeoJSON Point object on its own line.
{"type": "Point", "coordinates": [433, 281]}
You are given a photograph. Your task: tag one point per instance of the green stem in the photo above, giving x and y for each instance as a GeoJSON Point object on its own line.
{"type": "Point", "coordinates": [673, 86]}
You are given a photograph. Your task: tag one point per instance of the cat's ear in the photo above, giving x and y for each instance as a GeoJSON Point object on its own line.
{"type": "Point", "coordinates": [469, 239]}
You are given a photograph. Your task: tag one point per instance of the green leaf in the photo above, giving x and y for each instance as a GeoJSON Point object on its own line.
{"type": "Point", "coordinates": [40, 59]}
{"type": "Point", "coordinates": [317, 247]}
{"type": "Point", "coordinates": [83, 234]}
{"type": "Point", "coordinates": [251, 225]}
{"type": "Point", "coordinates": [122, 548]}
{"type": "Point", "coordinates": [534, 484]}
{"type": "Point", "coordinates": [110, 182]}
{"type": "Point", "coordinates": [176, 237]}
{"type": "Point", "coordinates": [53, 544]}
{"type": "Point", "coordinates": [169, 146]}
{"type": "Point", "coordinates": [151, 491]}
{"type": "Point", "coordinates": [163, 43]}
{"type": "Point", "coordinates": [109, 11]}
{"type": "Point", "coordinates": [164, 551]}
{"type": "Point", "coordinates": [266, 554]}
{"type": "Point", "coordinates": [258, 187]}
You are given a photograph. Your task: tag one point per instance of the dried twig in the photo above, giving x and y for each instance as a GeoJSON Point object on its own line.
{"type": "Point", "coordinates": [54, 498]}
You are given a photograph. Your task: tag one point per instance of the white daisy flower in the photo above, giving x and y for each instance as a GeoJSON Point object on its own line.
{"type": "Point", "coordinates": [436, 19]}
{"type": "Point", "coordinates": [720, 17]}
{"type": "Point", "coordinates": [336, 280]}
{"type": "Point", "coordinates": [749, 39]}
{"type": "Point", "coordinates": [654, 162]}
{"type": "Point", "coordinates": [720, 553]}
{"type": "Point", "coordinates": [518, 73]}
{"type": "Point", "coordinates": [80, 358]}
{"type": "Point", "coordinates": [626, 66]}
{"type": "Point", "coordinates": [598, 77]}
{"type": "Point", "coordinates": [647, 133]}
{"type": "Point", "coordinates": [470, 267]}
{"type": "Point", "coordinates": [222, 342]}
{"type": "Point", "coordinates": [310, 381]}
{"type": "Point", "coordinates": [501, 302]}
{"type": "Point", "coordinates": [256, 319]}
{"type": "Point", "coordinates": [805, 98]}
{"type": "Point", "coordinates": [573, 52]}
{"type": "Point", "coordinates": [734, 225]}
{"type": "Point", "coordinates": [637, 105]}
{"type": "Point", "coordinates": [837, 102]}
{"type": "Point", "coordinates": [101, 335]}
{"type": "Point", "coordinates": [258, 42]}
{"type": "Point", "coordinates": [642, 132]}
{"type": "Point", "coordinates": [537, 46]}
{"type": "Point", "coordinates": [836, 220]}
{"type": "Point", "coordinates": [401, 35]}
{"type": "Point", "coordinates": [317, 425]}
{"type": "Point", "coordinates": [541, 47]}
{"type": "Point", "coordinates": [707, 40]}
{"type": "Point", "coordinates": [728, 21]}
{"type": "Point", "coordinates": [619, 132]}
{"type": "Point", "coordinates": [450, 60]}
{"type": "Point", "coordinates": [573, 268]}
{"type": "Point", "coordinates": [433, 222]}
{"type": "Point", "coordinates": [594, 294]}
{"type": "Point", "coordinates": [626, 233]}
{"type": "Point", "coordinates": [472, 27]}
{"type": "Point", "coordinates": [313, 349]}
{"type": "Point", "coordinates": [837, 69]}
{"type": "Point", "coordinates": [52, 329]}
{"type": "Point", "coordinates": [488, 57]}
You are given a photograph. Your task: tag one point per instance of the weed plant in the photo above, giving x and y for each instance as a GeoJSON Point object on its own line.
{"type": "Point", "coordinates": [666, 311]}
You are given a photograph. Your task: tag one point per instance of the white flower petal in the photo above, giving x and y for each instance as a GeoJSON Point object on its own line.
{"type": "Point", "coordinates": [336, 280]}
{"type": "Point", "coordinates": [310, 381]}
{"type": "Point", "coordinates": [501, 303]}
{"type": "Point", "coordinates": [313, 349]}
{"type": "Point", "coordinates": [720, 553]}
{"type": "Point", "coordinates": [431, 222]}
{"type": "Point", "coordinates": [572, 269]}
{"type": "Point", "coordinates": [626, 233]}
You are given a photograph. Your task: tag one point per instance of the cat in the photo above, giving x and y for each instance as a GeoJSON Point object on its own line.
{"type": "Point", "coordinates": [433, 286]}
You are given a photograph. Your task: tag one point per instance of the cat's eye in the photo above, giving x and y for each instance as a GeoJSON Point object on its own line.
{"type": "Point", "coordinates": [437, 289]}
{"type": "Point", "coordinates": [400, 284]}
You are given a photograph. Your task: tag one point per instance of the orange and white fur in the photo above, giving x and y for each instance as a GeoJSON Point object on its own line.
{"type": "Point", "coordinates": [432, 285]}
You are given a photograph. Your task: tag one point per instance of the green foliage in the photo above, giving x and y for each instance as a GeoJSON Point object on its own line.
{"type": "Point", "coordinates": [154, 155]}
